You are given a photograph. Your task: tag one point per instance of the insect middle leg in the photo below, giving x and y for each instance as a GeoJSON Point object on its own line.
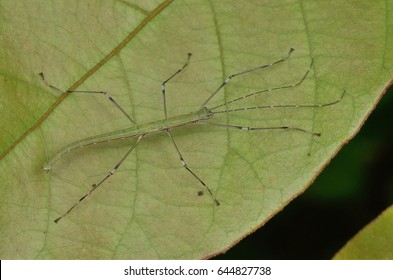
{"type": "Point", "coordinates": [167, 80]}
{"type": "Point", "coordinates": [189, 170]}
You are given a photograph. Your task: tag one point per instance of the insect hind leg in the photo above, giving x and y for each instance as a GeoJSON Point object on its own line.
{"type": "Point", "coordinates": [95, 186]}
{"type": "Point", "coordinates": [104, 93]}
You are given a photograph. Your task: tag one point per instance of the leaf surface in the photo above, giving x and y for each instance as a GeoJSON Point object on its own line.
{"type": "Point", "coordinates": [150, 209]}
{"type": "Point", "coordinates": [373, 242]}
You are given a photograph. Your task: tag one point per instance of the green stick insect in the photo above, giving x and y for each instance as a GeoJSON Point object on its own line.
{"type": "Point", "coordinates": [202, 116]}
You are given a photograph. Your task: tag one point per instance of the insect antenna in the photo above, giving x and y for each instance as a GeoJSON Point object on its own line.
{"type": "Point", "coordinates": [214, 111]}
{"type": "Point", "coordinates": [281, 106]}
{"type": "Point", "coordinates": [271, 107]}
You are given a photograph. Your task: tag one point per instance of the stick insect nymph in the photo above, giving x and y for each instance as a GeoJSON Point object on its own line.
{"type": "Point", "coordinates": [200, 117]}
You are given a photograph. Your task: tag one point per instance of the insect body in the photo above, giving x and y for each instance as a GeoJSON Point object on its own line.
{"type": "Point", "coordinates": [134, 131]}
{"type": "Point", "coordinates": [200, 117]}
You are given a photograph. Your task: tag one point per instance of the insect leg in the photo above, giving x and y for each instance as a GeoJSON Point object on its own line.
{"type": "Point", "coordinates": [104, 93]}
{"type": "Point", "coordinates": [189, 170]}
{"type": "Point", "coordinates": [95, 186]}
{"type": "Point", "coordinates": [264, 91]}
{"type": "Point", "coordinates": [229, 78]}
{"type": "Point", "coordinates": [167, 80]}
{"type": "Point", "coordinates": [272, 107]}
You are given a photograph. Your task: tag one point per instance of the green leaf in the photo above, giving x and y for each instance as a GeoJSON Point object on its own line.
{"type": "Point", "coordinates": [373, 242]}
{"type": "Point", "coordinates": [150, 209]}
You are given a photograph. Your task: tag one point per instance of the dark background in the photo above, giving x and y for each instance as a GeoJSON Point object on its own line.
{"type": "Point", "coordinates": [352, 191]}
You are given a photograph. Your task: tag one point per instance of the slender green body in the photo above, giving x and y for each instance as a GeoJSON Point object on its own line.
{"type": "Point", "coordinates": [134, 131]}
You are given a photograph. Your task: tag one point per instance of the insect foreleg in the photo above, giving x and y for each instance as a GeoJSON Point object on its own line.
{"type": "Point", "coordinates": [229, 78]}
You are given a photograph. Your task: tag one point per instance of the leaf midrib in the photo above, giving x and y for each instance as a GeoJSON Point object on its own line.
{"type": "Point", "coordinates": [153, 14]}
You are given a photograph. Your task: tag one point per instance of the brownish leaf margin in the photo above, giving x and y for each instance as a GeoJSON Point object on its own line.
{"type": "Point", "coordinates": [390, 84]}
